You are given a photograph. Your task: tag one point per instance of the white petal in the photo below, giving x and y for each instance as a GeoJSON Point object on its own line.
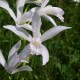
{"type": "Point", "coordinates": [14, 49]}
{"type": "Point", "coordinates": [54, 11]}
{"type": "Point", "coordinates": [35, 2]}
{"type": "Point", "coordinates": [36, 25]}
{"type": "Point", "coordinates": [44, 3]}
{"type": "Point", "coordinates": [5, 5]}
{"type": "Point", "coordinates": [45, 55]}
{"type": "Point", "coordinates": [27, 16]}
{"type": "Point", "coordinates": [50, 19]}
{"type": "Point", "coordinates": [2, 60]}
{"type": "Point", "coordinates": [16, 61]}
{"type": "Point", "coordinates": [25, 52]}
{"type": "Point", "coordinates": [13, 61]}
{"type": "Point", "coordinates": [23, 60]}
{"type": "Point", "coordinates": [23, 68]}
{"type": "Point", "coordinates": [53, 32]}
{"type": "Point", "coordinates": [19, 31]}
{"type": "Point", "coordinates": [20, 6]}
{"type": "Point", "coordinates": [27, 27]}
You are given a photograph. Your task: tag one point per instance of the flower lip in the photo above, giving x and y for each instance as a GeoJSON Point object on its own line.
{"type": "Point", "coordinates": [36, 42]}
{"type": "Point", "coordinates": [35, 46]}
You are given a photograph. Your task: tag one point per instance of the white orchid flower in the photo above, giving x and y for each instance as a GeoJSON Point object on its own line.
{"type": "Point", "coordinates": [14, 61]}
{"type": "Point", "coordinates": [36, 46]}
{"type": "Point", "coordinates": [46, 11]}
{"type": "Point", "coordinates": [20, 5]}
{"type": "Point", "coordinates": [50, 10]}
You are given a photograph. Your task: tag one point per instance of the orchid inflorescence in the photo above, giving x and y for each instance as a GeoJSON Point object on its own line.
{"type": "Point", "coordinates": [30, 20]}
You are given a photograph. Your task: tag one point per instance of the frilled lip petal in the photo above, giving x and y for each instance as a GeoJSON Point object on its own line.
{"type": "Point", "coordinates": [5, 5]}
{"type": "Point", "coordinates": [53, 32]}
{"type": "Point", "coordinates": [20, 32]}
{"type": "Point", "coordinates": [23, 68]}
{"type": "Point", "coordinates": [56, 11]}
{"type": "Point", "coordinates": [45, 54]}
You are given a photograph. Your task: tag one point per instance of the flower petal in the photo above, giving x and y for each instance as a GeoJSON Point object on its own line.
{"type": "Point", "coordinates": [27, 16]}
{"type": "Point", "coordinates": [12, 62]}
{"type": "Point", "coordinates": [25, 26]}
{"type": "Point", "coordinates": [5, 5]}
{"type": "Point", "coordinates": [13, 50]}
{"type": "Point", "coordinates": [36, 25]}
{"type": "Point", "coordinates": [50, 19]}
{"type": "Point", "coordinates": [2, 60]}
{"type": "Point", "coordinates": [19, 31]}
{"type": "Point", "coordinates": [25, 52]}
{"type": "Point", "coordinates": [45, 55]}
{"type": "Point", "coordinates": [53, 32]}
{"type": "Point", "coordinates": [35, 2]}
{"type": "Point", "coordinates": [23, 68]}
{"type": "Point", "coordinates": [56, 11]}
{"type": "Point", "coordinates": [44, 3]}
{"type": "Point", "coordinates": [20, 5]}
{"type": "Point", "coordinates": [16, 60]}
{"type": "Point", "coordinates": [23, 60]}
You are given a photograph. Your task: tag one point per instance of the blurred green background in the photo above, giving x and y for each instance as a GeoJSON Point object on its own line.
{"type": "Point", "coordinates": [64, 49]}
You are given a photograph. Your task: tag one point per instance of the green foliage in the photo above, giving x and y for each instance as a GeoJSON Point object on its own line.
{"type": "Point", "coordinates": [64, 49]}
